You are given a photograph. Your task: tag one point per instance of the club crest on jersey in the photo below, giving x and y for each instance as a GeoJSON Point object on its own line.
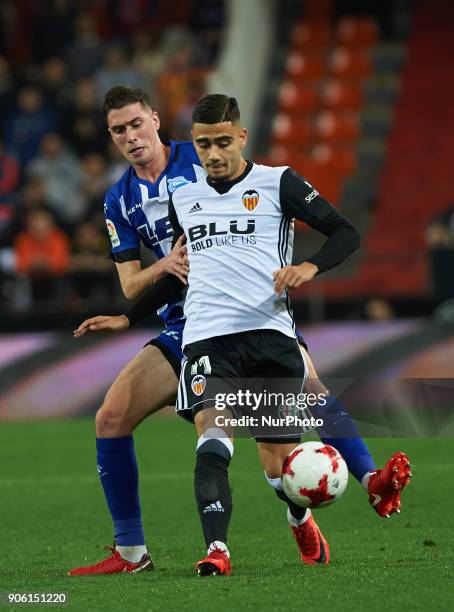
{"type": "Point", "coordinates": [114, 239]}
{"type": "Point", "coordinates": [174, 183]}
{"type": "Point", "coordinates": [198, 384]}
{"type": "Point", "coordinates": [250, 199]}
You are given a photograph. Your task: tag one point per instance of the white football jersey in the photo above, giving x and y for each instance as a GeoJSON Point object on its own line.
{"type": "Point", "coordinates": [235, 241]}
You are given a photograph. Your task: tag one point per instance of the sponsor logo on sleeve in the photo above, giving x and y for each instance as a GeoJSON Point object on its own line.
{"type": "Point", "coordinates": [313, 194]}
{"type": "Point", "coordinates": [114, 239]}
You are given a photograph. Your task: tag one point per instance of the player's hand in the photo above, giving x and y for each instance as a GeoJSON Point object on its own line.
{"type": "Point", "coordinates": [292, 277]}
{"type": "Point", "coordinates": [176, 262]}
{"type": "Point", "coordinates": [102, 323]}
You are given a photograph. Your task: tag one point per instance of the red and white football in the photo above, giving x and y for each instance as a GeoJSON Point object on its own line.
{"type": "Point", "coordinates": [314, 475]}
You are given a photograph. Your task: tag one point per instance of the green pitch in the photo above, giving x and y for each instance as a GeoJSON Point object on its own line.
{"type": "Point", "coordinates": [53, 517]}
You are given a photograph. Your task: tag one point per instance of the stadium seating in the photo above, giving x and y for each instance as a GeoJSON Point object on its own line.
{"type": "Point", "coordinates": [416, 183]}
{"type": "Point", "coordinates": [318, 123]}
{"type": "Point", "coordinates": [339, 99]}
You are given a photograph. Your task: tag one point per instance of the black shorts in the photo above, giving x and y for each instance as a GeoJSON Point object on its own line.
{"type": "Point", "coordinates": [261, 361]}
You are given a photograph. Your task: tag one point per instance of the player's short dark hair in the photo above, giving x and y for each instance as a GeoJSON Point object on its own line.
{"type": "Point", "coordinates": [122, 95]}
{"type": "Point", "coordinates": [216, 108]}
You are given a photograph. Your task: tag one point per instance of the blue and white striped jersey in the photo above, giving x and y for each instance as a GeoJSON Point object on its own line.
{"type": "Point", "coordinates": [136, 211]}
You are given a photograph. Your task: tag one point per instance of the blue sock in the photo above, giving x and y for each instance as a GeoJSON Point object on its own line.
{"type": "Point", "coordinates": [117, 468]}
{"type": "Point", "coordinates": [339, 430]}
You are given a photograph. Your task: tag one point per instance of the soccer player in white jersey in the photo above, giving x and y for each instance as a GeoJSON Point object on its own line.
{"type": "Point", "coordinates": [312, 546]}
{"type": "Point", "coordinates": [239, 229]}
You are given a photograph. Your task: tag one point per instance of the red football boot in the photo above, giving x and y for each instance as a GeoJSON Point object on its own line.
{"type": "Point", "coordinates": [216, 563]}
{"type": "Point", "coordinates": [313, 546]}
{"type": "Point", "coordinates": [385, 486]}
{"type": "Point", "coordinates": [114, 564]}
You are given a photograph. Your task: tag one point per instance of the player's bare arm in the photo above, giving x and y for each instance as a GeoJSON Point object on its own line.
{"type": "Point", "coordinates": [168, 289]}
{"type": "Point", "coordinates": [135, 280]}
{"type": "Point", "coordinates": [102, 323]}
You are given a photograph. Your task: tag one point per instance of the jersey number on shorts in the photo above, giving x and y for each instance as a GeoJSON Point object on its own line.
{"type": "Point", "coordinates": [203, 362]}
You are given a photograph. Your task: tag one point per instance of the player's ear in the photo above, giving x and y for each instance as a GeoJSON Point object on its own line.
{"type": "Point", "coordinates": [243, 137]}
{"type": "Point", "coordinates": [155, 119]}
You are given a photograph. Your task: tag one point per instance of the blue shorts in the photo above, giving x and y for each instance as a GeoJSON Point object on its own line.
{"type": "Point", "coordinates": [169, 343]}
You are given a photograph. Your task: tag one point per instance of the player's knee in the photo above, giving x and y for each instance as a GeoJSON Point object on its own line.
{"type": "Point", "coordinates": [274, 481]}
{"type": "Point", "coordinates": [111, 421]}
{"type": "Point", "coordinates": [315, 386]}
{"type": "Point", "coordinates": [104, 421]}
{"type": "Point", "coordinates": [215, 440]}
{"type": "Point", "coordinates": [272, 465]}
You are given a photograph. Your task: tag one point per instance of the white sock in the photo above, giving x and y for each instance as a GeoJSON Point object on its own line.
{"type": "Point", "coordinates": [365, 481]}
{"type": "Point", "coordinates": [294, 522]}
{"type": "Point", "coordinates": [219, 546]}
{"type": "Point", "coordinates": [133, 554]}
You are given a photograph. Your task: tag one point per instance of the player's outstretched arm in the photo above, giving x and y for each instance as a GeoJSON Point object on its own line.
{"type": "Point", "coordinates": [102, 323]}
{"type": "Point", "coordinates": [168, 289]}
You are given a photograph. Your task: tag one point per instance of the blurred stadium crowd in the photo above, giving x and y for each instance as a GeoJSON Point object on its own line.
{"type": "Point", "coordinates": [57, 59]}
{"type": "Point", "coordinates": [335, 88]}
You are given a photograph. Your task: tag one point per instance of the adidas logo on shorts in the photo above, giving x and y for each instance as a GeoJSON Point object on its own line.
{"type": "Point", "coordinates": [214, 507]}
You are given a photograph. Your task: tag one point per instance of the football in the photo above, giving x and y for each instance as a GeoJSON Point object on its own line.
{"type": "Point", "coordinates": [314, 475]}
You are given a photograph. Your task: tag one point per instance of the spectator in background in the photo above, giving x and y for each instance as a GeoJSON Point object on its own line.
{"type": "Point", "coordinates": [7, 87]}
{"type": "Point", "coordinates": [95, 181]}
{"type": "Point", "coordinates": [207, 21]}
{"type": "Point", "coordinates": [147, 56]}
{"type": "Point", "coordinates": [91, 270]}
{"type": "Point", "coordinates": [61, 174]}
{"type": "Point", "coordinates": [182, 123]}
{"type": "Point", "coordinates": [9, 222]}
{"type": "Point", "coordinates": [116, 164]}
{"type": "Point", "coordinates": [31, 198]}
{"type": "Point", "coordinates": [54, 27]}
{"type": "Point", "coordinates": [82, 123]}
{"type": "Point", "coordinates": [26, 126]}
{"type": "Point", "coordinates": [440, 242]}
{"type": "Point", "coordinates": [84, 53]}
{"type": "Point", "coordinates": [379, 309]}
{"type": "Point", "coordinates": [9, 174]}
{"type": "Point", "coordinates": [175, 83]}
{"type": "Point", "coordinates": [42, 256]}
{"type": "Point", "coordinates": [9, 180]}
{"type": "Point", "coordinates": [55, 84]}
{"type": "Point", "coordinates": [116, 69]}
{"type": "Point", "coordinates": [130, 14]}
{"type": "Point", "coordinates": [440, 232]}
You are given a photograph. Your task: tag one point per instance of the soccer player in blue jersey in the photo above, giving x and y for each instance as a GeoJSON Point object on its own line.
{"type": "Point", "coordinates": [136, 211]}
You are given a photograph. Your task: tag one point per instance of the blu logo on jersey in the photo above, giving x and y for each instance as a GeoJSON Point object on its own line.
{"type": "Point", "coordinates": [212, 229]}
